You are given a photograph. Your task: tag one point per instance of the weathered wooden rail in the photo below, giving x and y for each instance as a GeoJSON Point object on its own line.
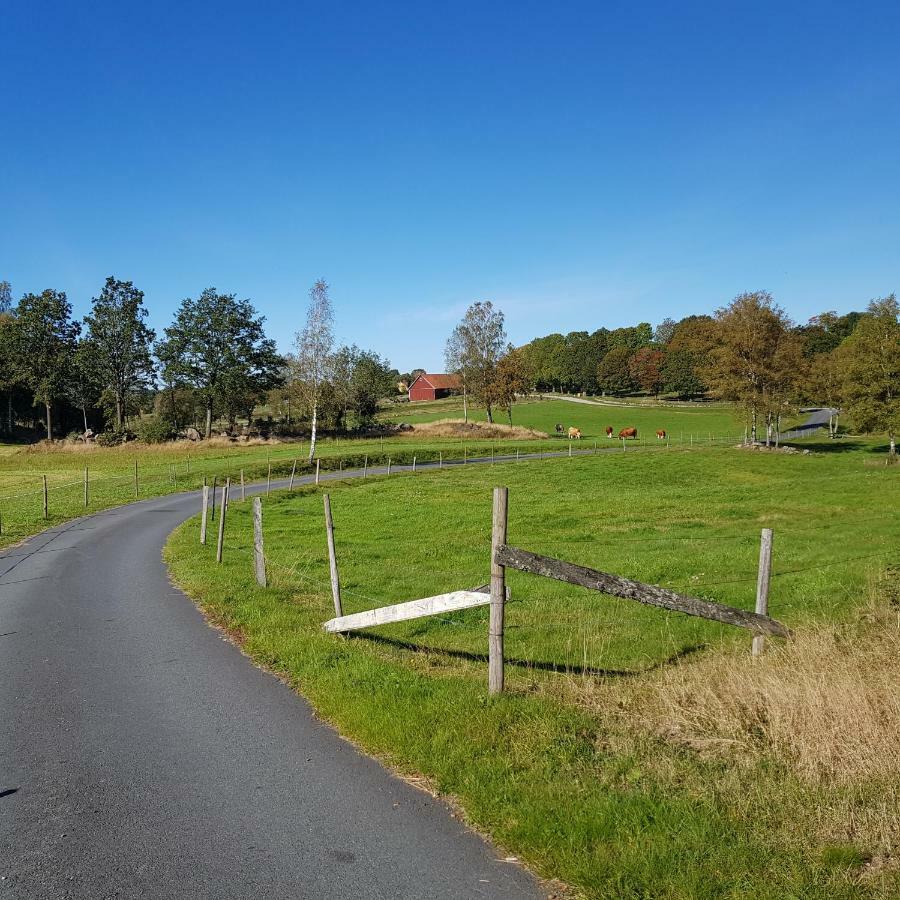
{"type": "Point", "coordinates": [650, 594]}
{"type": "Point", "coordinates": [411, 609]}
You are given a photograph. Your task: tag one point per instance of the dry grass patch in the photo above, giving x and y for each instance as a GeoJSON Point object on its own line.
{"type": "Point", "coordinates": [458, 428]}
{"type": "Point", "coordinates": [826, 703]}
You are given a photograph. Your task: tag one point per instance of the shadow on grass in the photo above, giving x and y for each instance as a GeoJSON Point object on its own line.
{"type": "Point", "coordinates": [539, 665]}
{"type": "Point", "coordinates": [840, 445]}
{"type": "Point", "coordinates": [829, 446]}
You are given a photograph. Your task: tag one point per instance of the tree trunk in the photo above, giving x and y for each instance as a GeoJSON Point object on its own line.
{"type": "Point", "coordinates": [84, 415]}
{"type": "Point", "coordinates": [312, 443]}
{"type": "Point", "coordinates": [118, 412]}
{"type": "Point", "coordinates": [893, 450]}
{"type": "Point", "coordinates": [175, 420]}
{"type": "Point", "coordinates": [49, 423]}
{"type": "Point", "coordinates": [753, 426]}
{"type": "Point", "coordinates": [465, 405]}
{"type": "Point", "coordinates": [208, 420]}
{"type": "Point", "coordinates": [490, 415]}
{"type": "Point", "coordinates": [777, 430]}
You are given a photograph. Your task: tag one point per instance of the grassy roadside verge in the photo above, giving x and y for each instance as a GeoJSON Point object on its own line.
{"type": "Point", "coordinates": [571, 770]}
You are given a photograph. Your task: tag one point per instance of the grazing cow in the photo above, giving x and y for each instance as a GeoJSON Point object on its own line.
{"type": "Point", "coordinates": [559, 428]}
{"type": "Point", "coordinates": [628, 433]}
{"type": "Point", "coordinates": [661, 434]}
{"type": "Point", "coordinates": [575, 433]}
{"type": "Point", "coordinates": [609, 431]}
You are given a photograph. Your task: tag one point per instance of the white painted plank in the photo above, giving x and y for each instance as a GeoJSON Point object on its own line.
{"type": "Point", "coordinates": [413, 609]}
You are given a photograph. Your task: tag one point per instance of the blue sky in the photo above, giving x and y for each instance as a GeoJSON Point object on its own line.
{"type": "Point", "coordinates": [580, 164]}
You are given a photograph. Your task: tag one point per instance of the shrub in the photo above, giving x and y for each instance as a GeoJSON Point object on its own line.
{"type": "Point", "coordinates": [154, 430]}
{"type": "Point", "coordinates": [112, 438]}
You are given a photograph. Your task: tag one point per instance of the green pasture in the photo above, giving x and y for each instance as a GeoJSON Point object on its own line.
{"type": "Point", "coordinates": [591, 418]}
{"type": "Point", "coordinates": [167, 468]}
{"type": "Point", "coordinates": [614, 812]}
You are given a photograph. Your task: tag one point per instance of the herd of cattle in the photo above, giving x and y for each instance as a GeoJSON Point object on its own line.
{"type": "Point", "coordinates": [575, 433]}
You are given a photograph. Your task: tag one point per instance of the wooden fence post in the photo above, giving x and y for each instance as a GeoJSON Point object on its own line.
{"type": "Point", "coordinates": [366, 466]}
{"type": "Point", "coordinates": [498, 593]}
{"type": "Point", "coordinates": [269, 479]}
{"type": "Point", "coordinates": [203, 511]}
{"type": "Point", "coordinates": [259, 555]}
{"type": "Point", "coordinates": [243, 490]}
{"type": "Point", "coordinates": [389, 466]}
{"type": "Point", "coordinates": [414, 463]}
{"type": "Point", "coordinates": [221, 537]}
{"type": "Point", "coordinates": [46, 499]}
{"type": "Point", "coordinates": [762, 585]}
{"type": "Point", "coordinates": [174, 477]}
{"type": "Point", "coordinates": [293, 470]}
{"type": "Point", "coordinates": [517, 454]}
{"type": "Point", "coordinates": [570, 449]}
{"type": "Point", "coordinates": [86, 488]}
{"type": "Point", "coordinates": [212, 501]}
{"type": "Point", "coordinates": [318, 463]}
{"type": "Point", "coordinates": [440, 459]}
{"type": "Point", "coordinates": [332, 558]}
{"type": "Point", "coordinates": [136, 486]}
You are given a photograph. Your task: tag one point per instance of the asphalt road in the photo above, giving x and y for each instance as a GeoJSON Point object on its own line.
{"type": "Point", "coordinates": [142, 755]}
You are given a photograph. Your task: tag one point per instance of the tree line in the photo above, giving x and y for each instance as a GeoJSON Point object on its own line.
{"type": "Point", "coordinates": [213, 362]}
{"type": "Point", "coordinates": [748, 352]}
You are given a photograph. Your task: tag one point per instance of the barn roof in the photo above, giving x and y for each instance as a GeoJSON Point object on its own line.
{"type": "Point", "coordinates": [441, 382]}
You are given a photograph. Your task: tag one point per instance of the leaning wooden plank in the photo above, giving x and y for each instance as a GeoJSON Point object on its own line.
{"type": "Point", "coordinates": [635, 590]}
{"type": "Point", "coordinates": [413, 609]}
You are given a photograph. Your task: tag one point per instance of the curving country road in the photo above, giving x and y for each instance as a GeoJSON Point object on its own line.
{"type": "Point", "coordinates": [141, 755]}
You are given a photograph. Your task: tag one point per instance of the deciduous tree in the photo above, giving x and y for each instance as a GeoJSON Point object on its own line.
{"type": "Point", "coordinates": [645, 367]}
{"type": "Point", "coordinates": [44, 339]}
{"type": "Point", "coordinates": [613, 374]}
{"type": "Point", "coordinates": [510, 380]}
{"type": "Point", "coordinates": [869, 365]}
{"type": "Point", "coordinates": [120, 343]}
{"type": "Point", "coordinates": [474, 349]}
{"type": "Point", "coordinates": [745, 366]}
{"type": "Point", "coordinates": [217, 346]}
{"type": "Point", "coordinates": [313, 361]}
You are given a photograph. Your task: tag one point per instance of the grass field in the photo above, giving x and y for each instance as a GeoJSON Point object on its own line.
{"type": "Point", "coordinates": [584, 768]}
{"type": "Point", "coordinates": [592, 419]}
{"type": "Point", "coordinates": [166, 468]}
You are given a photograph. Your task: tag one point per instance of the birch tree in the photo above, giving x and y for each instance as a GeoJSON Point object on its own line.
{"type": "Point", "coordinates": [473, 351]}
{"type": "Point", "coordinates": [314, 343]}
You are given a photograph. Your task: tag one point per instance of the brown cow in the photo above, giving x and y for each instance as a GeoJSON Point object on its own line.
{"type": "Point", "coordinates": [609, 431]}
{"type": "Point", "coordinates": [661, 434]}
{"type": "Point", "coordinates": [575, 433]}
{"type": "Point", "coordinates": [628, 433]}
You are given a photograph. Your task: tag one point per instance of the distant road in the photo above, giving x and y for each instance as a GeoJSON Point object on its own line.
{"type": "Point", "coordinates": [141, 755]}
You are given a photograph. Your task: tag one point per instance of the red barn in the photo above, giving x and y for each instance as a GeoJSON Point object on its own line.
{"type": "Point", "coordinates": [431, 387]}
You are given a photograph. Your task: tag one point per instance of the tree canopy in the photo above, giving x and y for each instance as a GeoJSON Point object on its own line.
{"type": "Point", "coordinates": [217, 346]}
